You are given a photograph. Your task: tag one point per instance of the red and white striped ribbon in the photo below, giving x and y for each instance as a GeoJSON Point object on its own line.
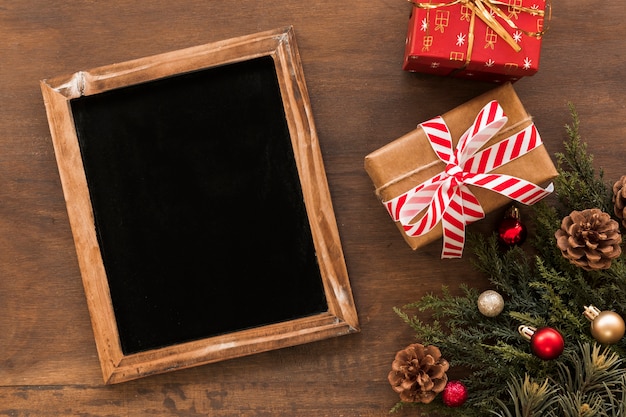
{"type": "Point", "coordinates": [446, 197]}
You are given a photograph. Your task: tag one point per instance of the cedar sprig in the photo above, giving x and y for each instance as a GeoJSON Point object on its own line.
{"type": "Point", "coordinates": [577, 186]}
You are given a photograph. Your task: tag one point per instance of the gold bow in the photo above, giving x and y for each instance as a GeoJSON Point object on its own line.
{"type": "Point", "coordinates": [484, 9]}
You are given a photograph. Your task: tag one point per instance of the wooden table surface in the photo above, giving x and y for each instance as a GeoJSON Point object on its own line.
{"type": "Point", "coordinates": [361, 99]}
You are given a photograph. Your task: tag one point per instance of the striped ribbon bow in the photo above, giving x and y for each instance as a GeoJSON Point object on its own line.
{"type": "Point", "coordinates": [446, 197]}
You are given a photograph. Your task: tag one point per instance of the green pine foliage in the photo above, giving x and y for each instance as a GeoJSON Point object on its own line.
{"type": "Point", "coordinates": [540, 288]}
{"type": "Point", "coordinates": [589, 382]}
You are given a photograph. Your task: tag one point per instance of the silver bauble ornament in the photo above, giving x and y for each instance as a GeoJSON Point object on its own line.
{"type": "Point", "coordinates": [490, 303]}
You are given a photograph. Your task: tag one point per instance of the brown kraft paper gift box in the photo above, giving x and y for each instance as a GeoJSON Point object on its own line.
{"type": "Point", "coordinates": [390, 167]}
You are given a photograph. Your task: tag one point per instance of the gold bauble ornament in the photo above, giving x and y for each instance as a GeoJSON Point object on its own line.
{"type": "Point", "coordinates": [490, 303]}
{"type": "Point", "coordinates": [607, 327]}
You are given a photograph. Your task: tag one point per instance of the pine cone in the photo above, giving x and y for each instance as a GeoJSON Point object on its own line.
{"type": "Point", "coordinates": [418, 373]}
{"type": "Point", "coordinates": [619, 199]}
{"type": "Point", "coordinates": [589, 239]}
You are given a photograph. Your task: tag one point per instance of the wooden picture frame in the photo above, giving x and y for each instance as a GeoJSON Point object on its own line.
{"type": "Point", "coordinates": [89, 117]}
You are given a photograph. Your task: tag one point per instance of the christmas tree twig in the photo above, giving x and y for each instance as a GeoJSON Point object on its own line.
{"type": "Point", "coordinates": [540, 287]}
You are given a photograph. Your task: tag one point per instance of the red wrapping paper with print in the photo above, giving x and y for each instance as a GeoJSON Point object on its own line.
{"type": "Point", "coordinates": [480, 39]}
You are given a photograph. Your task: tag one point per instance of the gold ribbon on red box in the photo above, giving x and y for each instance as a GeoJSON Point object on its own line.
{"type": "Point", "coordinates": [486, 10]}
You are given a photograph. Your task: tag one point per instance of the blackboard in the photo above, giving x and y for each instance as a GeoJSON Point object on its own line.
{"type": "Point", "coordinates": [199, 205]}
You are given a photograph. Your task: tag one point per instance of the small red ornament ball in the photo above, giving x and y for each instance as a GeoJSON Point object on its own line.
{"type": "Point", "coordinates": [454, 394]}
{"type": "Point", "coordinates": [512, 232]}
{"type": "Point", "coordinates": [547, 343]}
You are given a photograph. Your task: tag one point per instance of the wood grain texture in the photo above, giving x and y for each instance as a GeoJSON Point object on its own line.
{"type": "Point", "coordinates": [361, 100]}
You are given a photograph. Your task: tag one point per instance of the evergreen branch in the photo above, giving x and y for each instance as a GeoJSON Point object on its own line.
{"type": "Point", "coordinates": [616, 400]}
{"type": "Point", "coordinates": [541, 288]}
{"type": "Point", "coordinates": [529, 399]}
{"type": "Point", "coordinates": [528, 319]}
{"type": "Point", "coordinates": [577, 186]}
{"type": "Point", "coordinates": [593, 371]}
{"type": "Point", "coordinates": [428, 333]}
{"type": "Point", "coordinates": [509, 353]}
{"type": "Point", "coordinates": [575, 404]}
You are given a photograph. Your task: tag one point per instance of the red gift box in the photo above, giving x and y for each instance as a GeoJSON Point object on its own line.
{"type": "Point", "coordinates": [487, 40]}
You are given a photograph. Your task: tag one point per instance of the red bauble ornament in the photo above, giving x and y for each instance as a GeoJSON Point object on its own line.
{"type": "Point", "coordinates": [511, 231]}
{"type": "Point", "coordinates": [546, 343]}
{"type": "Point", "coordinates": [454, 394]}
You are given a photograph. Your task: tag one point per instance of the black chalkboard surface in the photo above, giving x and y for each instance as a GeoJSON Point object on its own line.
{"type": "Point", "coordinates": [197, 203]}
